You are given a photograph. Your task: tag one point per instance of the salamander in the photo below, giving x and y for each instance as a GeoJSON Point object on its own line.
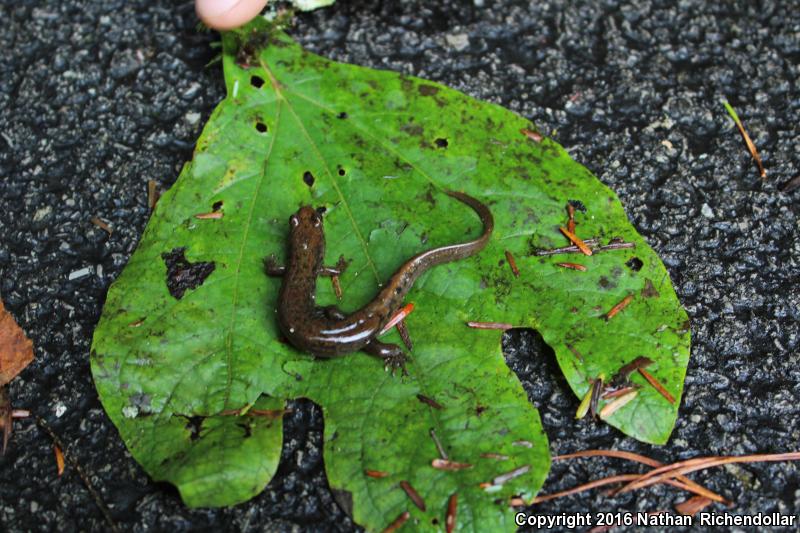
{"type": "Point", "coordinates": [328, 331]}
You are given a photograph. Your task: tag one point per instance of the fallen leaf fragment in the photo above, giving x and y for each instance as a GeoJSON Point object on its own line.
{"type": "Point", "coordinates": [450, 518]}
{"type": "Point", "coordinates": [214, 215]}
{"type": "Point", "coordinates": [657, 385]}
{"type": "Point", "coordinates": [429, 401]}
{"type": "Point", "coordinates": [498, 456]}
{"type": "Point", "coordinates": [573, 266]}
{"type": "Point", "coordinates": [399, 521]}
{"type": "Point", "coordinates": [100, 223]}
{"type": "Point", "coordinates": [751, 147]}
{"type": "Point", "coordinates": [413, 495]}
{"type": "Point", "coordinates": [577, 241]}
{"type": "Point", "coordinates": [619, 307]}
{"type": "Point", "coordinates": [489, 325]}
{"type": "Point", "coordinates": [446, 464]}
{"type": "Point", "coordinates": [687, 483]}
{"type": "Point", "coordinates": [16, 350]}
{"type": "Point", "coordinates": [399, 316]}
{"type": "Point", "coordinates": [532, 135]}
{"type": "Point", "coordinates": [59, 459]}
{"type": "Point", "coordinates": [659, 475]}
{"type": "Point", "coordinates": [512, 263]}
{"type": "Point", "coordinates": [508, 476]}
{"type": "Point", "coordinates": [617, 403]}
{"type": "Point", "coordinates": [693, 505]}
{"type": "Point", "coordinates": [152, 194]}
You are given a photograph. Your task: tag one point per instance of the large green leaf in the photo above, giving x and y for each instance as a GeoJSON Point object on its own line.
{"type": "Point", "coordinates": [379, 148]}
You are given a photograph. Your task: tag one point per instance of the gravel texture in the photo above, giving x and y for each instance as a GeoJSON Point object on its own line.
{"type": "Point", "coordinates": [97, 98]}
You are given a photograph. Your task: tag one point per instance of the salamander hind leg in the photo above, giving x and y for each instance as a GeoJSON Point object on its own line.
{"type": "Point", "coordinates": [393, 357]}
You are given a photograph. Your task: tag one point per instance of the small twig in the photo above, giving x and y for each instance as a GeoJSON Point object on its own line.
{"type": "Point", "coordinates": [377, 474]}
{"type": "Point", "coordinates": [439, 447]}
{"type": "Point", "coordinates": [613, 245]}
{"type": "Point", "coordinates": [98, 500]}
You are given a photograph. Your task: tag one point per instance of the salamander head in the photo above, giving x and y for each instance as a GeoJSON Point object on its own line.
{"type": "Point", "coordinates": [306, 230]}
{"type": "Point", "coordinates": [306, 219]}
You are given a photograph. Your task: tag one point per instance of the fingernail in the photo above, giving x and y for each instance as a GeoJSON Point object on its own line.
{"type": "Point", "coordinates": [213, 8]}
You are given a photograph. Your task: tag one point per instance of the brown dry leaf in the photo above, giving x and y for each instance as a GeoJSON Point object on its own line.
{"type": "Point", "coordinates": [16, 350]}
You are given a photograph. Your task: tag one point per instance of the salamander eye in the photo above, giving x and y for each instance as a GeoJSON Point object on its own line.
{"type": "Point", "coordinates": [321, 210]}
{"type": "Point", "coordinates": [294, 221]}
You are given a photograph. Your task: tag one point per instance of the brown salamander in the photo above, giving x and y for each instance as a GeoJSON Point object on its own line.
{"type": "Point", "coordinates": [328, 331]}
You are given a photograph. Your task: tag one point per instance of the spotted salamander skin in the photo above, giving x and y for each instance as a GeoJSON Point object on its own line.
{"type": "Point", "coordinates": [327, 331]}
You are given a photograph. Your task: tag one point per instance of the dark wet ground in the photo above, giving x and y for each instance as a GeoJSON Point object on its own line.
{"type": "Point", "coordinates": [98, 98]}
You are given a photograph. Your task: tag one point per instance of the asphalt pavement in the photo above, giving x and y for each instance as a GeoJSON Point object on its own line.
{"type": "Point", "coordinates": [97, 98]}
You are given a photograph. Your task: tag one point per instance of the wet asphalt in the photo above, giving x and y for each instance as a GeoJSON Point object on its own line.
{"type": "Point", "coordinates": [98, 98]}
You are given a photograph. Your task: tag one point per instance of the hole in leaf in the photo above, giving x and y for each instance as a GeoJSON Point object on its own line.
{"type": "Point", "coordinates": [342, 115]}
{"type": "Point", "coordinates": [441, 143]}
{"type": "Point", "coordinates": [435, 521]}
{"type": "Point", "coordinates": [183, 275]}
{"type": "Point", "coordinates": [216, 206]}
{"type": "Point", "coordinates": [194, 424]}
{"type": "Point", "coordinates": [342, 171]}
{"type": "Point", "coordinates": [308, 177]}
{"type": "Point", "coordinates": [577, 204]}
{"type": "Point", "coordinates": [256, 81]}
{"type": "Point", "coordinates": [634, 263]}
{"type": "Point", "coordinates": [261, 127]}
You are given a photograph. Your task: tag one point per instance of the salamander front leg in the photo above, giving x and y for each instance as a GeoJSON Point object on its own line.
{"type": "Point", "coordinates": [393, 357]}
{"type": "Point", "coordinates": [272, 268]}
{"type": "Point", "coordinates": [338, 270]}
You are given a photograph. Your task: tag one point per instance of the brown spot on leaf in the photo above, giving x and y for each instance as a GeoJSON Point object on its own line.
{"type": "Point", "coordinates": [183, 275]}
{"type": "Point", "coordinates": [649, 291]}
{"type": "Point", "coordinates": [427, 90]}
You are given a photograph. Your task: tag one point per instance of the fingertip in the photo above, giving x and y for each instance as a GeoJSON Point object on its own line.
{"type": "Point", "coordinates": [228, 14]}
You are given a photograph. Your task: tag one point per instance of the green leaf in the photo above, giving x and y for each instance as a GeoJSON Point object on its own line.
{"type": "Point", "coordinates": [379, 148]}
